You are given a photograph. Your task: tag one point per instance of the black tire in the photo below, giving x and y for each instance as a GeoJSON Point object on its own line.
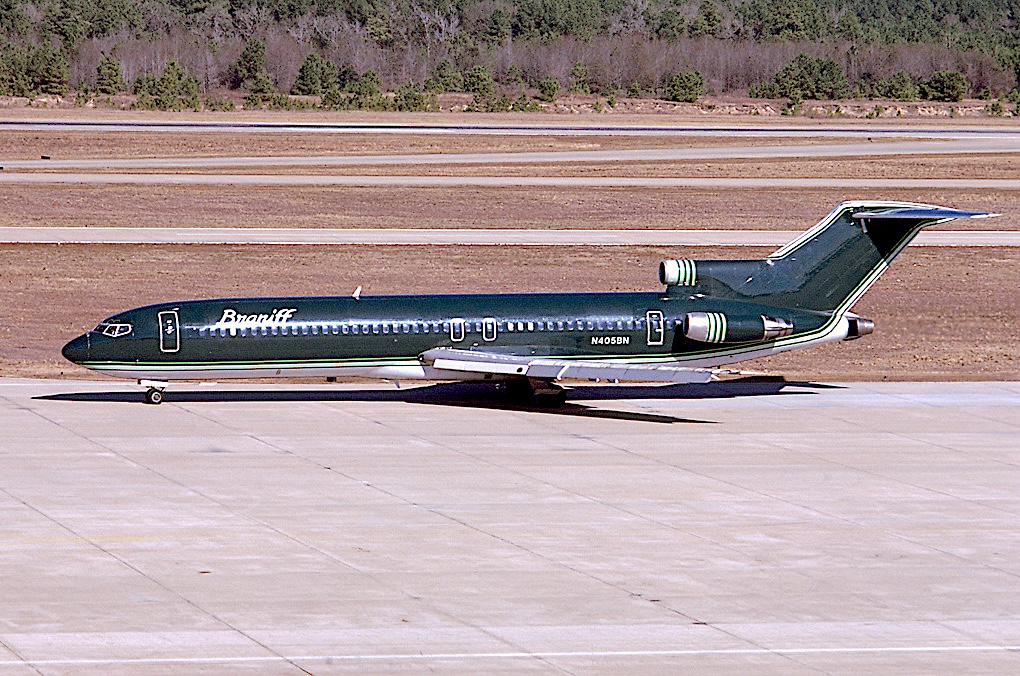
{"type": "Point", "coordinates": [153, 396]}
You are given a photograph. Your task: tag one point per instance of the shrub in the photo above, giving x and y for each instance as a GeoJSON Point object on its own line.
{"type": "Point", "coordinates": [172, 89]}
{"type": "Point", "coordinates": [48, 69]}
{"type": "Point", "coordinates": [995, 109]}
{"type": "Point", "coordinates": [108, 77]}
{"type": "Point", "coordinates": [945, 85]}
{"type": "Point", "coordinates": [686, 87]}
{"type": "Point", "coordinates": [223, 105]}
{"type": "Point", "coordinates": [445, 78]}
{"type": "Point", "coordinates": [899, 87]}
{"type": "Point", "coordinates": [672, 24]}
{"type": "Point", "coordinates": [410, 97]}
{"type": "Point", "coordinates": [707, 21]}
{"type": "Point", "coordinates": [249, 64]}
{"type": "Point", "coordinates": [806, 77]}
{"type": "Point", "coordinates": [525, 105]}
{"type": "Point", "coordinates": [548, 88]}
{"type": "Point", "coordinates": [514, 75]}
{"type": "Point", "coordinates": [478, 81]}
{"type": "Point", "coordinates": [314, 77]}
{"type": "Point", "coordinates": [579, 75]}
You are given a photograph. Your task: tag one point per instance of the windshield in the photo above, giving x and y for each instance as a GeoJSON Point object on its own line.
{"type": "Point", "coordinates": [113, 329]}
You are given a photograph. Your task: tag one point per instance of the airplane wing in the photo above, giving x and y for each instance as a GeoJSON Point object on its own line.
{"type": "Point", "coordinates": [552, 368]}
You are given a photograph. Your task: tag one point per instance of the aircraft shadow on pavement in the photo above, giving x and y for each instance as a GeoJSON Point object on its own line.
{"type": "Point", "coordinates": [485, 396]}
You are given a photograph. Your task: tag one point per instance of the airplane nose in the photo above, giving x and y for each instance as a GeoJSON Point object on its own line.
{"type": "Point", "coordinates": [77, 350]}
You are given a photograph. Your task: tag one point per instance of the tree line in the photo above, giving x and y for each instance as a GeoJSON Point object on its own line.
{"type": "Point", "coordinates": [351, 52]}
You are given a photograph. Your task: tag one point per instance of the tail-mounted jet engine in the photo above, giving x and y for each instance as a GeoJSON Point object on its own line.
{"type": "Point", "coordinates": [858, 326]}
{"type": "Point", "coordinates": [717, 327]}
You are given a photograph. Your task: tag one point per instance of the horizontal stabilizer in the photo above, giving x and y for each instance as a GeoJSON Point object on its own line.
{"type": "Point", "coordinates": [551, 368]}
{"type": "Point", "coordinates": [923, 213]}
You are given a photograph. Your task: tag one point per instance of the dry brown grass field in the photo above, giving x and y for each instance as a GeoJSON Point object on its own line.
{"type": "Point", "coordinates": [467, 207]}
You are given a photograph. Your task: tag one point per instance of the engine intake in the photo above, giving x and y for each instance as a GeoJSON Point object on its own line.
{"type": "Point", "coordinates": [716, 327]}
{"type": "Point", "coordinates": [678, 273]}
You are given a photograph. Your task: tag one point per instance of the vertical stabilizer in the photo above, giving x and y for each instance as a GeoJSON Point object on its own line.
{"type": "Point", "coordinates": [831, 265]}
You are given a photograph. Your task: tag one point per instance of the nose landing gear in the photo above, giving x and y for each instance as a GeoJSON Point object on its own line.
{"type": "Point", "coordinates": [154, 393]}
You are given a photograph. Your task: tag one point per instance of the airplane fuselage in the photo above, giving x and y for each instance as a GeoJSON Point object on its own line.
{"type": "Point", "coordinates": [383, 336]}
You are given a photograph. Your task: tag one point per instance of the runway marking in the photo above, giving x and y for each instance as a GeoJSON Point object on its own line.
{"type": "Point", "coordinates": [723, 652]}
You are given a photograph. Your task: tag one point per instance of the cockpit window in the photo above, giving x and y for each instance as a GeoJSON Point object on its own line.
{"type": "Point", "coordinates": [114, 329]}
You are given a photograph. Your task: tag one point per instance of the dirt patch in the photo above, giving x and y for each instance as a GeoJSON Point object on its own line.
{"type": "Point", "coordinates": [940, 313]}
{"type": "Point", "coordinates": [133, 143]}
{"type": "Point", "coordinates": [515, 207]}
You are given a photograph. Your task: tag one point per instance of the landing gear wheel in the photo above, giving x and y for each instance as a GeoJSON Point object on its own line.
{"type": "Point", "coordinates": [153, 396]}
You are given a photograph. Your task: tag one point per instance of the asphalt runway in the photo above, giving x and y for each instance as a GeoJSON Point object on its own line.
{"type": "Point", "coordinates": [965, 146]}
{"type": "Point", "coordinates": [760, 527]}
{"type": "Point", "coordinates": [457, 236]}
{"type": "Point", "coordinates": [510, 181]}
{"type": "Point", "coordinates": [872, 128]}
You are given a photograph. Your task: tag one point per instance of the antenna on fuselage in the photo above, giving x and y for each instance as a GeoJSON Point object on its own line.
{"type": "Point", "coordinates": [357, 294]}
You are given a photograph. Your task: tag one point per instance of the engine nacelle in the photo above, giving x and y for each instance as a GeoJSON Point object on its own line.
{"type": "Point", "coordinates": [717, 327]}
{"type": "Point", "coordinates": [678, 273]}
{"type": "Point", "coordinates": [858, 326]}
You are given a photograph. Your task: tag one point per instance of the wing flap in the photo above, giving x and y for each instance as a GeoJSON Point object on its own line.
{"type": "Point", "coordinates": [550, 368]}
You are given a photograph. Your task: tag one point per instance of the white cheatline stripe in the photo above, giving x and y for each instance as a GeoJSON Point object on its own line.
{"type": "Point", "coordinates": [521, 655]}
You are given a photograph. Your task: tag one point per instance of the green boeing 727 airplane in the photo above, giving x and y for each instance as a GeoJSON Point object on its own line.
{"type": "Point", "coordinates": [710, 313]}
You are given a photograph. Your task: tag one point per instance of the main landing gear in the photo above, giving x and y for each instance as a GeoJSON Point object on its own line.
{"type": "Point", "coordinates": [154, 393]}
{"type": "Point", "coordinates": [534, 391]}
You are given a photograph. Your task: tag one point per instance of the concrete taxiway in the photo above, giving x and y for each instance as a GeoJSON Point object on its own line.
{"type": "Point", "coordinates": [745, 526]}
{"type": "Point", "coordinates": [459, 236]}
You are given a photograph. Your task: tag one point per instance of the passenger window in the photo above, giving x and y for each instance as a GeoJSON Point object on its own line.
{"type": "Point", "coordinates": [345, 329]}
{"type": "Point", "coordinates": [600, 325]}
{"type": "Point", "coordinates": [355, 329]}
{"type": "Point", "coordinates": [591, 325]}
{"type": "Point", "coordinates": [630, 324]}
{"type": "Point", "coordinates": [509, 326]}
{"type": "Point", "coordinates": [415, 327]}
{"type": "Point", "coordinates": [315, 329]}
{"type": "Point", "coordinates": [385, 328]}
{"type": "Point", "coordinates": [375, 329]}
{"type": "Point", "coordinates": [559, 326]}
